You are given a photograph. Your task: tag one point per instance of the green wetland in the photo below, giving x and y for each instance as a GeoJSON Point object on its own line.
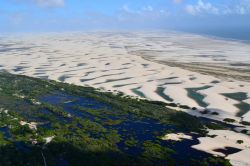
{"type": "Point", "coordinates": [82, 126]}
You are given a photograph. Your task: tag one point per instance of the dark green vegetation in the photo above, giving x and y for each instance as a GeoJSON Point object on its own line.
{"type": "Point", "coordinates": [215, 82]}
{"type": "Point", "coordinates": [239, 96]}
{"type": "Point", "coordinates": [229, 120]}
{"type": "Point", "coordinates": [91, 127]}
{"type": "Point", "coordinates": [245, 123]}
{"type": "Point", "coordinates": [240, 141]}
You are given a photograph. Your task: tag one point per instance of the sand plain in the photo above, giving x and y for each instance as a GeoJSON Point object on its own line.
{"type": "Point", "coordinates": [193, 70]}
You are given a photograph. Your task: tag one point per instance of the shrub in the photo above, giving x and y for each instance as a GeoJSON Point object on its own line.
{"type": "Point", "coordinates": [184, 107]}
{"type": "Point", "coordinates": [229, 120]}
{"type": "Point", "coordinates": [240, 141]}
{"type": "Point", "coordinates": [212, 136]}
{"type": "Point", "coordinates": [172, 105]}
{"type": "Point", "coordinates": [214, 126]}
{"type": "Point", "coordinates": [244, 131]}
{"type": "Point", "coordinates": [245, 123]}
{"type": "Point", "coordinates": [160, 103]}
{"type": "Point", "coordinates": [206, 111]}
{"type": "Point", "coordinates": [215, 113]}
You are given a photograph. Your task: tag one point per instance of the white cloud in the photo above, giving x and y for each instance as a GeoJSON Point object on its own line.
{"type": "Point", "coordinates": [177, 1]}
{"type": "Point", "coordinates": [146, 10]}
{"type": "Point", "coordinates": [44, 3]}
{"type": "Point", "coordinates": [126, 9]}
{"type": "Point", "coordinates": [144, 14]}
{"type": "Point", "coordinates": [190, 9]}
{"type": "Point", "coordinates": [240, 7]}
{"type": "Point", "coordinates": [201, 7]}
{"type": "Point", "coordinates": [50, 3]}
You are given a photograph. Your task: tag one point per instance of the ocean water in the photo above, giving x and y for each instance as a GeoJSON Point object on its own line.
{"type": "Point", "coordinates": [239, 34]}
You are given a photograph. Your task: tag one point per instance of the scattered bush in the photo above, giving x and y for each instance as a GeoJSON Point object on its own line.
{"type": "Point", "coordinates": [212, 136]}
{"type": "Point", "coordinates": [172, 105]}
{"type": "Point", "coordinates": [214, 126]}
{"type": "Point", "coordinates": [160, 103]}
{"type": "Point", "coordinates": [240, 141]}
{"type": "Point", "coordinates": [131, 142]}
{"type": "Point", "coordinates": [184, 107]}
{"type": "Point", "coordinates": [244, 131]}
{"type": "Point", "coordinates": [245, 123]}
{"type": "Point", "coordinates": [229, 120]}
{"type": "Point", "coordinates": [206, 111]}
{"type": "Point", "coordinates": [120, 94]}
{"type": "Point", "coordinates": [156, 151]}
{"type": "Point", "coordinates": [215, 113]}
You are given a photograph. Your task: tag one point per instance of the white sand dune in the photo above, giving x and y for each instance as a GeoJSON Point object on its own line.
{"type": "Point", "coordinates": [126, 62]}
{"type": "Point", "coordinates": [176, 137]}
{"type": "Point", "coordinates": [109, 61]}
{"type": "Point", "coordinates": [241, 158]}
{"type": "Point", "coordinates": [222, 139]}
{"type": "Point", "coordinates": [226, 139]}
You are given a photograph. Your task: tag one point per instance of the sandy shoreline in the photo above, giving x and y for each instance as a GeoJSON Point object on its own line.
{"type": "Point", "coordinates": [117, 62]}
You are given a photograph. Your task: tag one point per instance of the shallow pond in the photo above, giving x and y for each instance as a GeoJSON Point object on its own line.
{"type": "Point", "coordinates": [130, 127]}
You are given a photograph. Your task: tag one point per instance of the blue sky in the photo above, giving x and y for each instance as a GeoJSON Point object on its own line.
{"type": "Point", "coordinates": [69, 15]}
